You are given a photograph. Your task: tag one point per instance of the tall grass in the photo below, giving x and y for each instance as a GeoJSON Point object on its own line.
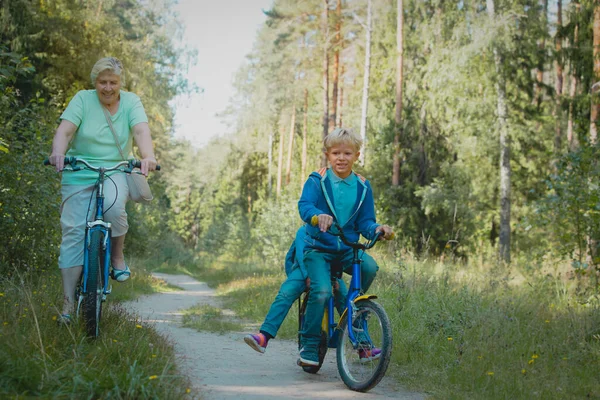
{"type": "Point", "coordinates": [464, 331]}
{"type": "Point", "coordinates": [41, 359]}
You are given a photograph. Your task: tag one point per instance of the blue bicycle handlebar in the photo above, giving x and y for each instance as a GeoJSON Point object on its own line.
{"type": "Point", "coordinates": [340, 233]}
{"type": "Point", "coordinates": [74, 160]}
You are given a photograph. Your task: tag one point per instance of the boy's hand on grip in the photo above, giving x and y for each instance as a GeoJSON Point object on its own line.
{"type": "Point", "coordinates": [388, 233]}
{"type": "Point", "coordinates": [324, 221]}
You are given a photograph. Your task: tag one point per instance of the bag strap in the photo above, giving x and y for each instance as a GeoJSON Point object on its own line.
{"type": "Point", "coordinates": [112, 129]}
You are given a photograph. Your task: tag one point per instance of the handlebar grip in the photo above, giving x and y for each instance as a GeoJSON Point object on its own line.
{"type": "Point", "coordinates": [314, 221]}
{"type": "Point", "coordinates": [138, 164]}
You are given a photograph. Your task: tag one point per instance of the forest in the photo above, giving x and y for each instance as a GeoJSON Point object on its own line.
{"type": "Point", "coordinates": [479, 120]}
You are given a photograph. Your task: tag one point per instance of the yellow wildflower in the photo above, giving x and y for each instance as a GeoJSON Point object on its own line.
{"type": "Point", "coordinates": [530, 362]}
{"type": "Point", "coordinates": [188, 390]}
{"type": "Point", "coordinates": [547, 321]}
{"type": "Point", "coordinates": [152, 377]}
{"type": "Point", "coordinates": [534, 356]}
{"type": "Point", "coordinates": [450, 339]}
{"type": "Point", "coordinates": [138, 326]}
{"type": "Point", "coordinates": [490, 373]}
{"type": "Point", "coordinates": [54, 318]}
{"type": "Point", "coordinates": [153, 355]}
{"type": "Point", "coordinates": [5, 323]}
{"type": "Point", "coordinates": [523, 371]}
{"type": "Point", "coordinates": [1, 294]}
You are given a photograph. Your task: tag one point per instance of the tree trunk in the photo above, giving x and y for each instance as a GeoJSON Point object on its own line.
{"type": "Point", "coordinates": [340, 98]}
{"type": "Point", "coordinates": [304, 136]}
{"type": "Point", "coordinates": [539, 75]}
{"type": "Point", "coordinates": [325, 27]}
{"type": "Point", "coordinates": [399, 81]}
{"type": "Point", "coordinates": [596, 79]}
{"type": "Point", "coordinates": [288, 170]}
{"type": "Point", "coordinates": [559, 82]}
{"type": "Point", "coordinates": [280, 158]}
{"type": "Point", "coordinates": [270, 156]}
{"type": "Point", "coordinates": [366, 78]}
{"type": "Point", "coordinates": [336, 65]}
{"type": "Point", "coordinates": [595, 104]}
{"type": "Point", "coordinates": [505, 171]}
{"type": "Point", "coordinates": [572, 139]}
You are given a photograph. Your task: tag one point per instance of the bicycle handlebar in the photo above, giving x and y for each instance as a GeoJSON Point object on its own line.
{"type": "Point", "coordinates": [314, 221]}
{"type": "Point", "coordinates": [74, 160]}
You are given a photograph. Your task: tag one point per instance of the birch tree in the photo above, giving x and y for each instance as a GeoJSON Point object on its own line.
{"type": "Point", "coordinates": [502, 126]}
{"type": "Point", "coordinates": [399, 82]}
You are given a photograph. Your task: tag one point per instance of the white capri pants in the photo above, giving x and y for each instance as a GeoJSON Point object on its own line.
{"type": "Point", "coordinates": [74, 209]}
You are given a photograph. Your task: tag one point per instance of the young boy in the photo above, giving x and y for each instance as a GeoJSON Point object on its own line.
{"type": "Point", "coordinates": [290, 290]}
{"type": "Point", "coordinates": [335, 194]}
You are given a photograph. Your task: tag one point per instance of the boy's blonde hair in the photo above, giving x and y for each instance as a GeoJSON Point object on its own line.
{"type": "Point", "coordinates": [342, 136]}
{"type": "Point", "coordinates": [111, 64]}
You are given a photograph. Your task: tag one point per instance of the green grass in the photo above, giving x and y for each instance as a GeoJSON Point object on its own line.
{"type": "Point", "coordinates": [41, 359]}
{"type": "Point", "coordinates": [211, 319]}
{"type": "Point", "coordinates": [463, 331]}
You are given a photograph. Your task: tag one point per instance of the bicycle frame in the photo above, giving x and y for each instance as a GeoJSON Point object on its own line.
{"type": "Point", "coordinates": [98, 224]}
{"type": "Point", "coordinates": [354, 292]}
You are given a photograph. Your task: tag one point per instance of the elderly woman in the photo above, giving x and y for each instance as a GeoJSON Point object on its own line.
{"type": "Point", "coordinates": [85, 132]}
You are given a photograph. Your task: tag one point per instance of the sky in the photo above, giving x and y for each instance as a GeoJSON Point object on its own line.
{"type": "Point", "coordinates": [222, 32]}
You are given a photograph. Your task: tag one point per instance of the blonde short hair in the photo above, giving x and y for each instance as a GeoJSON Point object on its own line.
{"type": "Point", "coordinates": [111, 64]}
{"type": "Point", "coordinates": [342, 136]}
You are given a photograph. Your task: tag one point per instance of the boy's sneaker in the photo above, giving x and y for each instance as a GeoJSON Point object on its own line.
{"type": "Point", "coordinates": [308, 358]}
{"type": "Point", "coordinates": [257, 341]}
{"type": "Point", "coordinates": [367, 355]}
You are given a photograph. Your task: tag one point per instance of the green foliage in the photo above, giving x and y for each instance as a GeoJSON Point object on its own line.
{"type": "Point", "coordinates": [571, 208]}
{"type": "Point", "coordinates": [42, 359]}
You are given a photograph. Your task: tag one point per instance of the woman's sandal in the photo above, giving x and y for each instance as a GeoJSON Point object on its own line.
{"type": "Point", "coordinates": [120, 275]}
{"type": "Point", "coordinates": [64, 319]}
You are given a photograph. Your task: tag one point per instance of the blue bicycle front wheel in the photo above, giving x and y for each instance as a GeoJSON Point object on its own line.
{"type": "Point", "coordinates": [363, 364]}
{"type": "Point", "coordinates": [92, 299]}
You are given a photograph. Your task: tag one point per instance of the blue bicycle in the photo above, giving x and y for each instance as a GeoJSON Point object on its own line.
{"type": "Point", "coordinates": [363, 334]}
{"type": "Point", "coordinates": [93, 286]}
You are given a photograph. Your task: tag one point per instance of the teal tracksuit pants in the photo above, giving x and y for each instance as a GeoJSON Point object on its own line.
{"type": "Point", "coordinates": [289, 292]}
{"type": "Point", "coordinates": [318, 265]}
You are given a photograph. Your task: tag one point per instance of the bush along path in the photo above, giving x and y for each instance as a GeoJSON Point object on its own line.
{"type": "Point", "coordinates": [222, 366]}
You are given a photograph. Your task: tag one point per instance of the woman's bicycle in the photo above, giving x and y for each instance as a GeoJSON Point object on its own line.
{"type": "Point", "coordinates": [93, 286]}
{"type": "Point", "coordinates": [362, 330]}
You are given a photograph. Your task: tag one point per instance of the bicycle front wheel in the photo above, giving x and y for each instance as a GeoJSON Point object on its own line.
{"type": "Point", "coordinates": [92, 299]}
{"type": "Point", "coordinates": [362, 367]}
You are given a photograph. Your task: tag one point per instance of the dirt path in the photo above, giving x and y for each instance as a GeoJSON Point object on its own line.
{"type": "Point", "coordinates": [224, 367]}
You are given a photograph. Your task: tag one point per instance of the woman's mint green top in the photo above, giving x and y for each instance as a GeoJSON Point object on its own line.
{"type": "Point", "coordinates": [93, 140]}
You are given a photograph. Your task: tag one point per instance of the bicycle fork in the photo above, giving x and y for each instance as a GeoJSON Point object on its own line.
{"type": "Point", "coordinates": [82, 289]}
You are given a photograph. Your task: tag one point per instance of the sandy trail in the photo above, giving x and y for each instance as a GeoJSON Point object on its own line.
{"type": "Point", "coordinates": [224, 367]}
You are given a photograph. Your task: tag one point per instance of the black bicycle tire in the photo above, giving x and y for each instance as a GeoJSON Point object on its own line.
{"type": "Point", "coordinates": [92, 300]}
{"type": "Point", "coordinates": [386, 349]}
{"type": "Point", "coordinates": [323, 343]}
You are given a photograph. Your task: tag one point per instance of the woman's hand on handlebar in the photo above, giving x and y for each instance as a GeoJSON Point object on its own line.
{"type": "Point", "coordinates": [58, 160]}
{"type": "Point", "coordinates": [148, 164]}
{"type": "Point", "coordinates": [387, 231]}
{"type": "Point", "coordinates": [324, 221]}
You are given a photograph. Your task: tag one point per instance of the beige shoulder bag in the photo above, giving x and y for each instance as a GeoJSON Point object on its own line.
{"type": "Point", "coordinates": [139, 190]}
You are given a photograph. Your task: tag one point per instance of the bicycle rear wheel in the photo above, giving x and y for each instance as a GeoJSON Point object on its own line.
{"type": "Point", "coordinates": [361, 368]}
{"type": "Point", "coordinates": [92, 299]}
{"type": "Point", "coordinates": [322, 345]}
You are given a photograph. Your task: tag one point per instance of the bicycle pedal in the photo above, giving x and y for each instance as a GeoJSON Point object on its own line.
{"type": "Point", "coordinates": [109, 290]}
